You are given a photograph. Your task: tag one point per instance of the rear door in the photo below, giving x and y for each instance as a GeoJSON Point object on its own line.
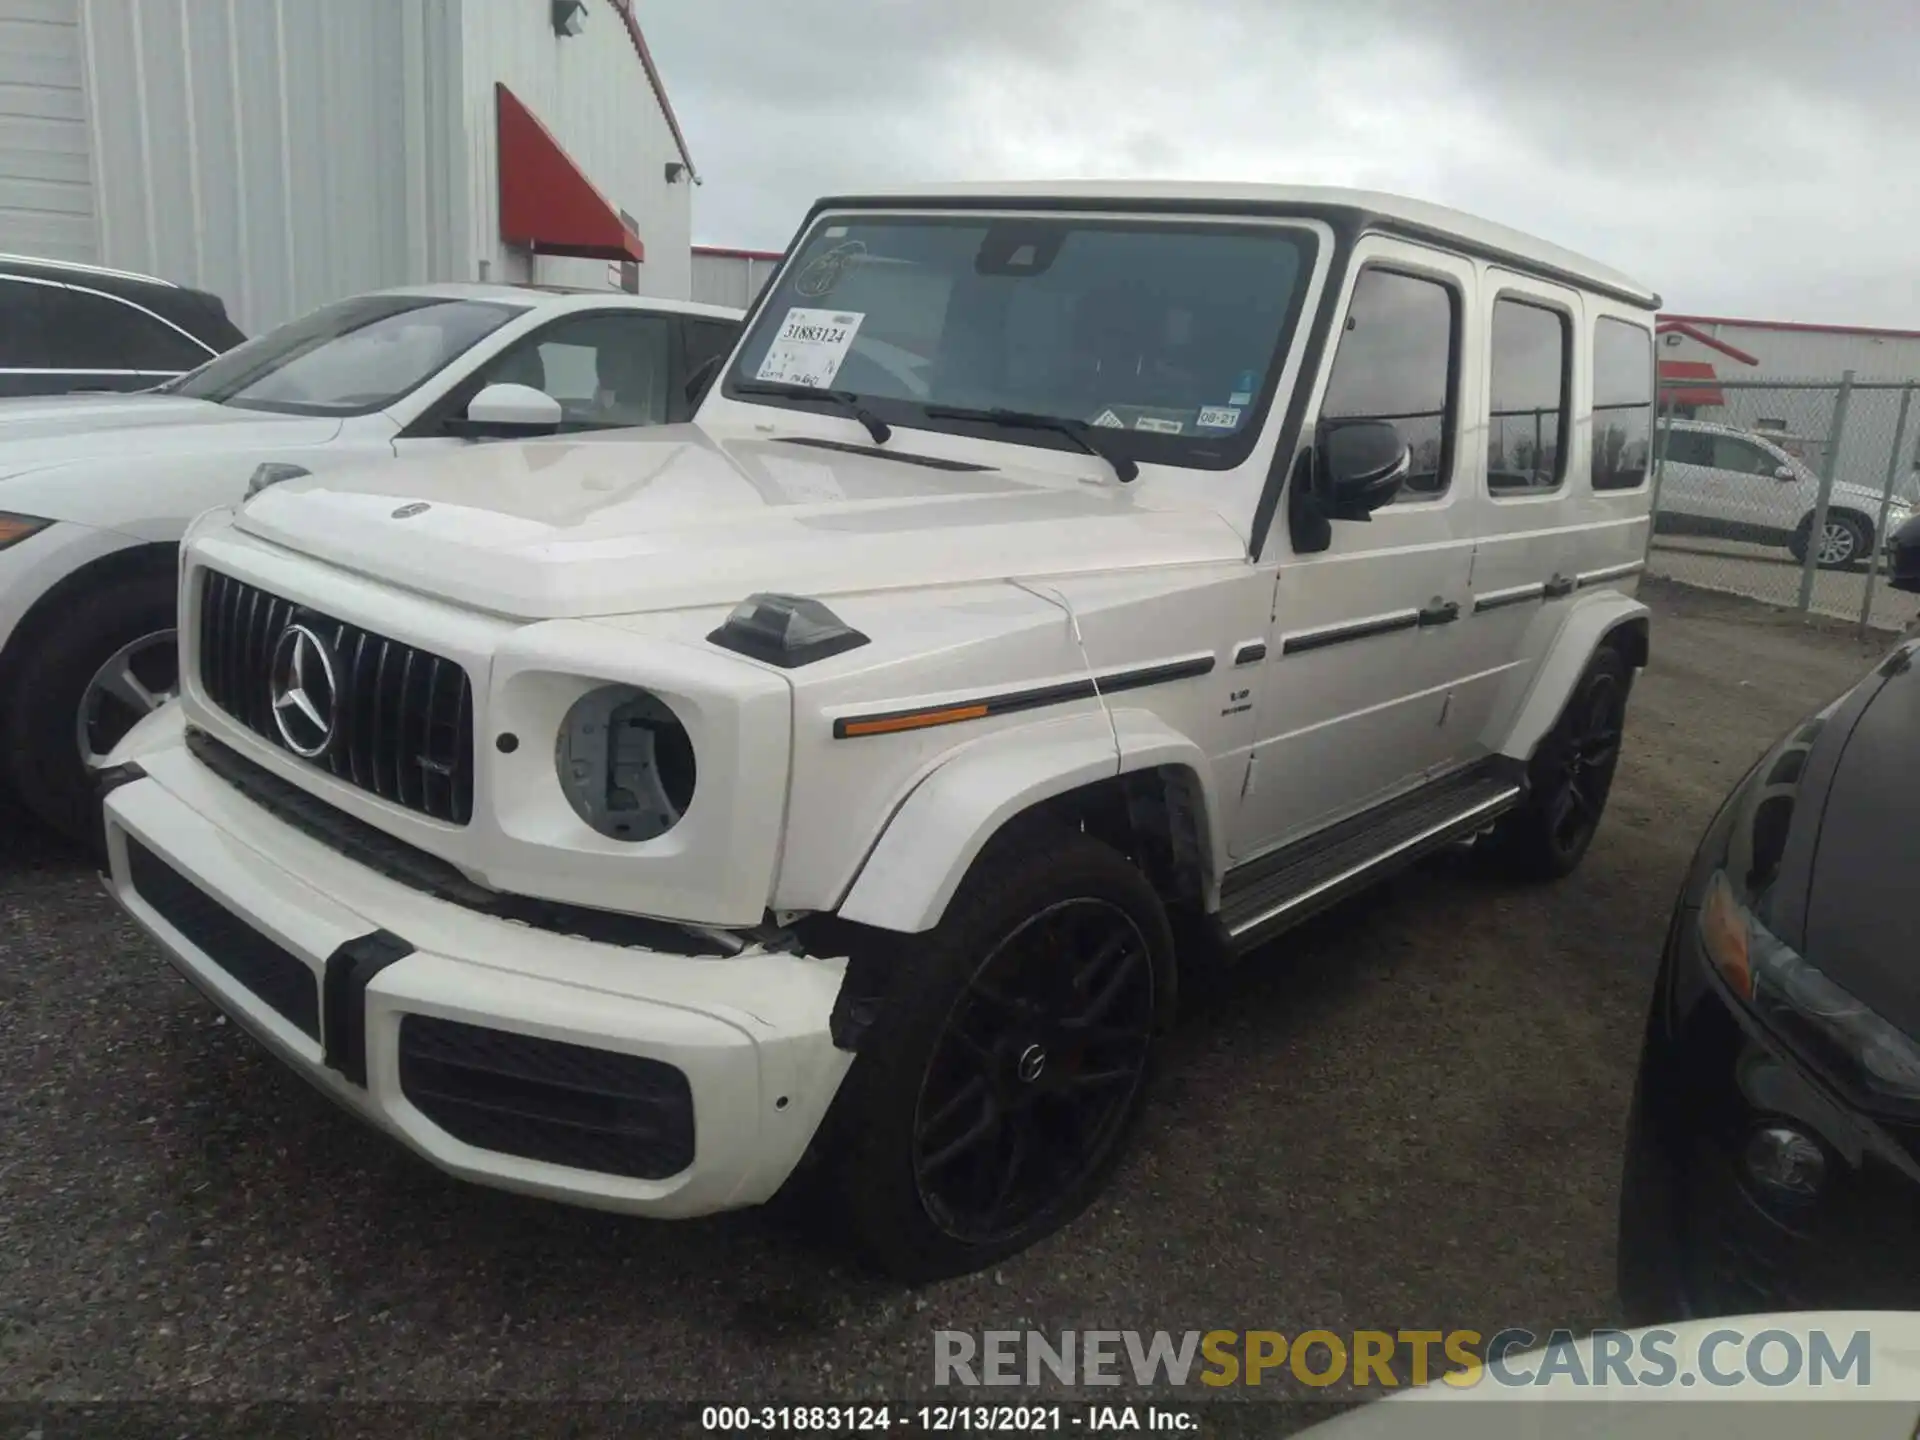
{"type": "Point", "coordinates": [1687, 483]}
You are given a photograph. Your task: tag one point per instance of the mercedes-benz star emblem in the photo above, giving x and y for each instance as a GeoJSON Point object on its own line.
{"type": "Point", "coordinates": [303, 689]}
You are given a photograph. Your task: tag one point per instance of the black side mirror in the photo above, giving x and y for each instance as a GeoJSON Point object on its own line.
{"type": "Point", "coordinates": [1360, 465]}
{"type": "Point", "coordinates": [1903, 557]}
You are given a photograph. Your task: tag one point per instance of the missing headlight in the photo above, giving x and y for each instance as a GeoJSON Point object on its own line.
{"type": "Point", "coordinates": [625, 763]}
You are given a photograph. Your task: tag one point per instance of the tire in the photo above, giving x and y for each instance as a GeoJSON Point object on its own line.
{"type": "Point", "coordinates": [1569, 777]}
{"type": "Point", "coordinates": [974, 1038]}
{"type": "Point", "coordinates": [1849, 541]}
{"type": "Point", "coordinates": [41, 719]}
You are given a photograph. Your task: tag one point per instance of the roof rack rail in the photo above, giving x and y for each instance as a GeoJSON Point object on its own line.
{"type": "Point", "coordinates": [81, 268]}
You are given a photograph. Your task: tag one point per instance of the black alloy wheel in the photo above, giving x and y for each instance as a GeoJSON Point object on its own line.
{"type": "Point", "coordinates": [1569, 777]}
{"type": "Point", "coordinates": [995, 1087]}
{"type": "Point", "coordinates": [1027, 1089]}
{"type": "Point", "coordinates": [1585, 761]}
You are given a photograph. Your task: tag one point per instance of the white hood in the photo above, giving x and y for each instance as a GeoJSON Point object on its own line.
{"type": "Point", "coordinates": [38, 433]}
{"type": "Point", "coordinates": [670, 518]}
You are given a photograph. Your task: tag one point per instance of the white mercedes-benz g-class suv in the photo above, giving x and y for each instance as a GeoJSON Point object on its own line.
{"type": "Point", "coordinates": [816, 790]}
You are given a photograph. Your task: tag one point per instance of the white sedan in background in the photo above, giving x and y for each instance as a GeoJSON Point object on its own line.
{"type": "Point", "coordinates": [96, 490]}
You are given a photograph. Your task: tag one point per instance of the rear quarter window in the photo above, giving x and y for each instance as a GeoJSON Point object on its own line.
{"type": "Point", "coordinates": [1622, 404]}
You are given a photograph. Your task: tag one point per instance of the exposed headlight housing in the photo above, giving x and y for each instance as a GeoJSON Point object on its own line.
{"type": "Point", "coordinates": [625, 762]}
{"type": "Point", "coordinates": [785, 630]}
{"type": "Point", "coordinates": [1796, 998]}
{"type": "Point", "coordinates": [272, 473]}
{"type": "Point", "coordinates": [15, 528]}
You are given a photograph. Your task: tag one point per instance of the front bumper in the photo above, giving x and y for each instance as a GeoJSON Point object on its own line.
{"type": "Point", "coordinates": [1699, 1235]}
{"type": "Point", "coordinates": [483, 1045]}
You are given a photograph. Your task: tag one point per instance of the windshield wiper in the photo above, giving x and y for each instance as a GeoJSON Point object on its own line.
{"type": "Point", "coordinates": [848, 402]}
{"type": "Point", "coordinates": [1078, 431]}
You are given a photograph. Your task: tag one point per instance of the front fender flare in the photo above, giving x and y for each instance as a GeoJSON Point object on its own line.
{"type": "Point", "coordinates": [945, 822]}
{"type": "Point", "coordinates": [1589, 623]}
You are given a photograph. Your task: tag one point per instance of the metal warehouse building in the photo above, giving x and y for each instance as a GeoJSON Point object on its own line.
{"type": "Point", "coordinates": [284, 153]}
{"type": "Point", "coordinates": [725, 276]}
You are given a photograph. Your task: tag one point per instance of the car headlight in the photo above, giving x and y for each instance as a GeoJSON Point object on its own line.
{"type": "Point", "coordinates": [15, 528]}
{"type": "Point", "coordinates": [625, 762]}
{"type": "Point", "coordinates": [1794, 997]}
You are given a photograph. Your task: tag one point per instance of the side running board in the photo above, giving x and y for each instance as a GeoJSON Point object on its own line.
{"type": "Point", "coordinates": [1267, 895]}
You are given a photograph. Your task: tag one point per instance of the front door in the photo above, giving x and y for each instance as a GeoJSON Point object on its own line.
{"type": "Point", "coordinates": [1365, 640]}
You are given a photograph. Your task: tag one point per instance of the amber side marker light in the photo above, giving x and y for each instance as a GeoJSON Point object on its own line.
{"type": "Point", "coordinates": [919, 720]}
{"type": "Point", "coordinates": [1724, 936]}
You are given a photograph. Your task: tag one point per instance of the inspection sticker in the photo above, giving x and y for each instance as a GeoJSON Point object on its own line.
{"type": "Point", "coordinates": [810, 348]}
{"type": "Point", "coordinates": [1157, 425]}
{"type": "Point", "coordinates": [1110, 420]}
{"type": "Point", "coordinates": [1217, 417]}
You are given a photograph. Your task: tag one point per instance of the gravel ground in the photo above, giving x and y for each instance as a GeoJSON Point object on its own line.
{"type": "Point", "coordinates": [1408, 1115]}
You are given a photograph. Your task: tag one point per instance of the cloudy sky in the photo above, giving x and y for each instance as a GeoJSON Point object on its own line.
{"type": "Point", "coordinates": [1744, 157]}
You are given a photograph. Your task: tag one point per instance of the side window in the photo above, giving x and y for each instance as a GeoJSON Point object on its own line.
{"type": "Point", "coordinates": [1526, 434]}
{"type": "Point", "coordinates": [97, 332]}
{"type": "Point", "coordinates": [1689, 447]}
{"type": "Point", "coordinates": [1622, 404]}
{"type": "Point", "coordinates": [1742, 457]}
{"type": "Point", "coordinates": [23, 329]}
{"type": "Point", "coordinates": [1395, 363]}
{"type": "Point", "coordinates": [606, 371]}
{"type": "Point", "coordinates": [708, 340]}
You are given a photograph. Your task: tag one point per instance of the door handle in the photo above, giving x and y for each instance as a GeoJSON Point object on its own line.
{"type": "Point", "coordinates": [1559, 587]}
{"type": "Point", "coordinates": [1441, 612]}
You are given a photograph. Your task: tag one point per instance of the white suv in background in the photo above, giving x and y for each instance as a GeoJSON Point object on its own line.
{"type": "Point", "coordinates": [1717, 480]}
{"type": "Point", "coordinates": [95, 490]}
{"type": "Point", "coordinates": [818, 789]}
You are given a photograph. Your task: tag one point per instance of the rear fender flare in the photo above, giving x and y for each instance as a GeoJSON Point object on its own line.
{"type": "Point", "coordinates": [1604, 617]}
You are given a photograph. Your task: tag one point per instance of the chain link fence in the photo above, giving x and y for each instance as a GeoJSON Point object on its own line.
{"type": "Point", "coordinates": [1786, 491]}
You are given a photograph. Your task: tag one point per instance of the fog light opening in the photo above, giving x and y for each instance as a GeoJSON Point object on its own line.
{"type": "Point", "coordinates": [1786, 1164]}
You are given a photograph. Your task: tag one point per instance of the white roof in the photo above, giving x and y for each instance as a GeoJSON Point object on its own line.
{"type": "Point", "coordinates": [1417, 214]}
{"type": "Point", "coordinates": [535, 297]}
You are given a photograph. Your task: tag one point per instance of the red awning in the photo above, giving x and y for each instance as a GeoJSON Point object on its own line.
{"type": "Point", "coordinates": [546, 203]}
{"type": "Point", "coordinates": [1707, 394]}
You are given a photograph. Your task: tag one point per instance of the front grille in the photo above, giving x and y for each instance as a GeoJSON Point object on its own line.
{"type": "Point", "coordinates": [402, 718]}
{"type": "Point", "coordinates": [548, 1100]}
{"type": "Point", "coordinates": [278, 977]}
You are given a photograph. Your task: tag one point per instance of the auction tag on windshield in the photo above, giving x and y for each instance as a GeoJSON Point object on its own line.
{"type": "Point", "coordinates": [1158, 425]}
{"type": "Point", "coordinates": [810, 348]}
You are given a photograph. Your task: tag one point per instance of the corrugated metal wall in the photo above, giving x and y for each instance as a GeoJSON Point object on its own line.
{"type": "Point", "coordinates": [46, 191]}
{"type": "Point", "coordinates": [730, 277]}
{"type": "Point", "coordinates": [282, 153]}
{"type": "Point", "coordinates": [592, 92]}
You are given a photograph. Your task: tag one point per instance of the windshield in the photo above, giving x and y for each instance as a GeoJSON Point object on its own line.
{"type": "Point", "coordinates": [347, 359]}
{"type": "Point", "coordinates": [1167, 335]}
